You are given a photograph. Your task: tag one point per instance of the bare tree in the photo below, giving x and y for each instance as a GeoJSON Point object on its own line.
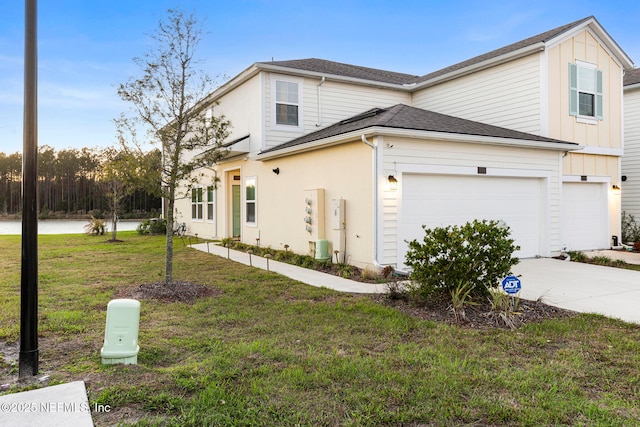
{"type": "Point", "coordinates": [166, 99]}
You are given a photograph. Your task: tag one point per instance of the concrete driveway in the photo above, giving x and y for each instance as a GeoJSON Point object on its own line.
{"type": "Point", "coordinates": [613, 292]}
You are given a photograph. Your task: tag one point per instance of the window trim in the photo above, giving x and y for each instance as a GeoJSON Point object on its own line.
{"type": "Point", "coordinates": [247, 180]}
{"type": "Point", "coordinates": [575, 91]}
{"type": "Point", "coordinates": [300, 83]}
{"type": "Point", "coordinates": [211, 203]}
{"type": "Point", "coordinates": [197, 204]}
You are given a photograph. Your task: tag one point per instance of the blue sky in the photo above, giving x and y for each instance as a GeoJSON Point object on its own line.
{"type": "Point", "coordinates": [86, 46]}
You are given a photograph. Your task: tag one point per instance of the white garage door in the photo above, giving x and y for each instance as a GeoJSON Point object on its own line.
{"type": "Point", "coordinates": [440, 200]}
{"type": "Point", "coordinates": [585, 216]}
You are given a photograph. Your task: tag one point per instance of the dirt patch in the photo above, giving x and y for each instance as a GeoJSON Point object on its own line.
{"type": "Point", "coordinates": [187, 292]}
{"type": "Point", "coordinates": [475, 316]}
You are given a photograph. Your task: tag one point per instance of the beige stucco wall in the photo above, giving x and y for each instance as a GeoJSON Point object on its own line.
{"type": "Point", "coordinates": [343, 171]}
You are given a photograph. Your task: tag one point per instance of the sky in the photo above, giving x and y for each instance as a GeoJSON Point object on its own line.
{"type": "Point", "coordinates": [86, 47]}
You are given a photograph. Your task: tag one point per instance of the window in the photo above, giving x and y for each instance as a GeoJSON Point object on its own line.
{"type": "Point", "coordinates": [196, 203]}
{"type": "Point", "coordinates": [585, 91]}
{"type": "Point", "coordinates": [287, 103]}
{"type": "Point", "coordinates": [250, 200]}
{"type": "Point", "coordinates": [210, 205]}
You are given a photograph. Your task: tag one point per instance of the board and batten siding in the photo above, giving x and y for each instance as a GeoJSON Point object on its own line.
{"type": "Point", "coordinates": [338, 101]}
{"type": "Point", "coordinates": [403, 153]}
{"type": "Point", "coordinates": [606, 133]}
{"type": "Point", "coordinates": [506, 95]}
{"type": "Point", "coordinates": [631, 159]}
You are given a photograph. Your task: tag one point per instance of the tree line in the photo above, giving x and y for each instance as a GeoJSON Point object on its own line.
{"type": "Point", "coordinates": [71, 182]}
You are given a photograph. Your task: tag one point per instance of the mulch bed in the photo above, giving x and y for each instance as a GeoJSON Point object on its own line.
{"type": "Point", "coordinates": [186, 292]}
{"type": "Point", "coordinates": [478, 316]}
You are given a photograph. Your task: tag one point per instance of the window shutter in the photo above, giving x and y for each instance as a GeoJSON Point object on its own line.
{"type": "Point", "coordinates": [598, 95]}
{"type": "Point", "coordinates": [573, 89]}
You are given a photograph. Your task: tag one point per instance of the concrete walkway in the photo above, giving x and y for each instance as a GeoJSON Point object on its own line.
{"type": "Point", "coordinates": [613, 292]}
{"type": "Point", "coordinates": [305, 275]}
{"type": "Point", "coordinates": [56, 406]}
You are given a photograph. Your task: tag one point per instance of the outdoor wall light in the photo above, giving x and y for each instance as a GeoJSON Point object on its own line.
{"type": "Point", "coordinates": [616, 187]}
{"type": "Point", "coordinates": [393, 183]}
{"type": "Point", "coordinates": [276, 171]}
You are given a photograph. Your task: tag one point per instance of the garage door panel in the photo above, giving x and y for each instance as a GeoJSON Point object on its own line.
{"type": "Point", "coordinates": [438, 200]}
{"type": "Point", "coordinates": [584, 215]}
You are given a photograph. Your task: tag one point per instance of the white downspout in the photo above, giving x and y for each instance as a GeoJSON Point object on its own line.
{"type": "Point", "coordinates": [319, 104]}
{"type": "Point", "coordinates": [374, 146]}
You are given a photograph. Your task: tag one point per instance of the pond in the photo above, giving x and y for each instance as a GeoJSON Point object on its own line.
{"type": "Point", "coordinates": [61, 226]}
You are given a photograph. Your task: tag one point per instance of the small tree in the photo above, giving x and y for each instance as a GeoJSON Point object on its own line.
{"type": "Point", "coordinates": [125, 171]}
{"type": "Point", "coordinates": [166, 99]}
{"type": "Point", "coordinates": [477, 254]}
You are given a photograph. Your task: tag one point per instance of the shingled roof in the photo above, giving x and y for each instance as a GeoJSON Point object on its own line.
{"type": "Point", "coordinates": [632, 77]}
{"type": "Point", "coordinates": [345, 70]}
{"type": "Point", "coordinates": [322, 66]}
{"type": "Point", "coordinates": [540, 38]}
{"type": "Point", "coordinates": [402, 116]}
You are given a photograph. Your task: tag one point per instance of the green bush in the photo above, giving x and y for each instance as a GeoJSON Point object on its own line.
{"type": "Point", "coordinates": [479, 253]}
{"type": "Point", "coordinates": [630, 229]}
{"type": "Point", "coordinates": [152, 226]}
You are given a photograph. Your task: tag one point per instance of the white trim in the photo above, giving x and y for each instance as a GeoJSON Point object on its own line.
{"type": "Point", "coordinates": [418, 134]}
{"type": "Point", "coordinates": [243, 198]}
{"type": "Point", "coordinates": [273, 100]}
{"type": "Point", "coordinates": [379, 180]}
{"type": "Point", "coordinates": [544, 92]}
{"type": "Point", "coordinates": [586, 119]}
{"type": "Point", "coordinates": [604, 151]}
{"type": "Point", "coordinates": [196, 203]}
{"type": "Point", "coordinates": [213, 202]}
{"type": "Point", "coordinates": [470, 170]}
{"type": "Point", "coordinates": [590, 178]}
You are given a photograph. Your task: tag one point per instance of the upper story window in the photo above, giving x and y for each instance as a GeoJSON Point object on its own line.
{"type": "Point", "coordinates": [585, 91]}
{"type": "Point", "coordinates": [286, 103]}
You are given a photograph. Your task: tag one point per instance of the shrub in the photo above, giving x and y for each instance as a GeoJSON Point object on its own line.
{"type": "Point", "coordinates": [96, 226]}
{"type": "Point", "coordinates": [479, 253]}
{"type": "Point", "coordinates": [578, 256]}
{"type": "Point", "coordinates": [630, 229]}
{"type": "Point", "coordinates": [152, 226]}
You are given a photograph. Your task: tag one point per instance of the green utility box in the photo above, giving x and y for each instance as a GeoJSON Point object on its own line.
{"type": "Point", "coordinates": [121, 332]}
{"type": "Point", "coordinates": [322, 250]}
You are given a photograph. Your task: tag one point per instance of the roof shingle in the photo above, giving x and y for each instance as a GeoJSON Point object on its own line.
{"type": "Point", "coordinates": [401, 116]}
{"type": "Point", "coordinates": [632, 77]}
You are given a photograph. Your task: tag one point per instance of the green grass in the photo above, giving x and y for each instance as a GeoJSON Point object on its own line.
{"type": "Point", "coordinates": [267, 350]}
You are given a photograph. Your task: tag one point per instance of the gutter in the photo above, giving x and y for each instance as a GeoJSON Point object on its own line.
{"type": "Point", "coordinates": [419, 134]}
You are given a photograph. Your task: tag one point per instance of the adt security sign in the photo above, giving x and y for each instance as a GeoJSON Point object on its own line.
{"type": "Point", "coordinates": [511, 285]}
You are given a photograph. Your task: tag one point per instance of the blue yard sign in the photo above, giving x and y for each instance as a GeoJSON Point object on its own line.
{"type": "Point", "coordinates": [511, 285]}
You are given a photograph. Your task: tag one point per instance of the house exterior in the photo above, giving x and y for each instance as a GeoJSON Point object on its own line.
{"type": "Point", "coordinates": [631, 160]}
{"type": "Point", "coordinates": [337, 157]}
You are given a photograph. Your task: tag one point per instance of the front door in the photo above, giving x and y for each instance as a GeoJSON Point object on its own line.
{"type": "Point", "coordinates": [235, 213]}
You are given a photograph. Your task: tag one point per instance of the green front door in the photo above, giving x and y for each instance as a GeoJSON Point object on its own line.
{"type": "Point", "coordinates": [235, 214]}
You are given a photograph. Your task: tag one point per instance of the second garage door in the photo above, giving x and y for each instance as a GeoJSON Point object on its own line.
{"type": "Point", "coordinates": [440, 200]}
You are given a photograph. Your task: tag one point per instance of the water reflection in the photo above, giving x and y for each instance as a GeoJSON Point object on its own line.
{"type": "Point", "coordinates": [61, 226]}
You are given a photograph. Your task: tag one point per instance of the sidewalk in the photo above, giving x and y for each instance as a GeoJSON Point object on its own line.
{"type": "Point", "coordinates": [305, 275]}
{"type": "Point", "coordinates": [586, 288]}
{"type": "Point", "coordinates": [55, 406]}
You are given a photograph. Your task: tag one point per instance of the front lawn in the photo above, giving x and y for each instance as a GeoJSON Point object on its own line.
{"type": "Point", "coordinates": [263, 349]}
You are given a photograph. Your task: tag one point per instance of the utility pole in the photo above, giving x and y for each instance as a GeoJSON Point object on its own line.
{"type": "Point", "coordinates": [28, 357]}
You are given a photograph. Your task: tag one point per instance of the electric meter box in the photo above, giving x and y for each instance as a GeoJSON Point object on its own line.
{"type": "Point", "coordinates": [121, 332]}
